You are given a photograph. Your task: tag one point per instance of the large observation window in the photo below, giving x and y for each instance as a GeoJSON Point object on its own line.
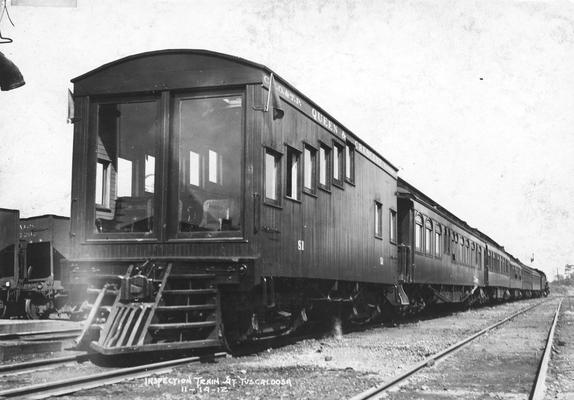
{"type": "Point", "coordinates": [125, 166]}
{"type": "Point", "coordinates": [208, 132]}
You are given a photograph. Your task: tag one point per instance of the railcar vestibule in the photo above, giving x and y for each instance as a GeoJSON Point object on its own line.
{"type": "Point", "coordinates": [198, 160]}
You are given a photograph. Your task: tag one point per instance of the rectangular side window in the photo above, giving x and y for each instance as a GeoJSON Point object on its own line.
{"type": "Point", "coordinates": [310, 169]}
{"type": "Point", "coordinates": [428, 237]}
{"type": "Point", "coordinates": [272, 177]}
{"type": "Point", "coordinates": [338, 164]}
{"type": "Point", "coordinates": [102, 184]}
{"type": "Point", "coordinates": [324, 166]}
{"type": "Point", "coordinates": [392, 226]}
{"type": "Point", "coordinates": [437, 240]}
{"type": "Point", "coordinates": [378, 220]}
{"type": "Point", "coordinates": [350, 163]}
{"type": "Point", "coordinates": [292, 174]}
{"type": "Point", "coordinates": [418, 233]}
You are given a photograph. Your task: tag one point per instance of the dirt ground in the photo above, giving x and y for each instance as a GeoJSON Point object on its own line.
{"type": "Point", "coordinates": [560, 380]}
{"type": "Point", "coordinates": [330, 367]}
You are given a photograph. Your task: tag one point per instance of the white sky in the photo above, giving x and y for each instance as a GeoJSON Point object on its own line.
{"type": "Point", "coordinates": [403, 75]}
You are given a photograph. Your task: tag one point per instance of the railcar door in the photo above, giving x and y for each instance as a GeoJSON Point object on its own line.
{"type": "Point", "coordinates": [405, 236]}
{"type": "Point", "coordinates": [486, 266]}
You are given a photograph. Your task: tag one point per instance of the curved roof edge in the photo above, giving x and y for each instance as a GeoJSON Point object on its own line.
{"type": "Point", "coordinates": [237, 60]}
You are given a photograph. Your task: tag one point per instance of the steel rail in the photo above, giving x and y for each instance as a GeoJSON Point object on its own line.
{"type": "Point", "coordinates": [430, 361]}
{"type": "Point", "coordinates": [67, 386]}
{"type": "Point", "coordinates": [22, 335]}
{"type": "Point", "coordinates": [539, 388]}
{"type": "Point", "coordinates": [6, 369]}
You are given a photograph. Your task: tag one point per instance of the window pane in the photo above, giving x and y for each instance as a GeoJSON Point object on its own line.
{"type": "Point", "coordinates": [124, 177]}
{"type": "Point", "coordinates": [194, 168]}
{"type": "Point", "coordinates": [209, 133]}
{"type": "Point", "coordinates": [292, 173]}
{"type": "Point", "coordinates": [350, 162]}
{"type": "Point", "coordinates": [378, 219]}
{"type": "Point", "coordinates": [127, 136]}
{"type": "Point", "coordinates": [149, 173]}
{"type": "Point", "coordinates": [393, 226]}
{"type": "Point", "coordinates": [437, 243]}
{"type": "Point", "coordinates": [336, 162]}
{"type": "Point", "coordinates": [214, 167]}
{"type": "Point", "coordinates": [309, 163]}
{"type": "Point", "coordinates": [322, 166]}
{"type": "Point", "coordinates": [271, 172]}
{"type": "Point", "coordinates": [418, 237]}
{"type": "Point", "coordinates": [100, 183]}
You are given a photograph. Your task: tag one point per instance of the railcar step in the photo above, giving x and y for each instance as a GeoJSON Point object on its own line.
{"type": "Point", "coordinates": [110, 292]}
{"type": "Point", "coordinates": [194, 344]}
{"type": "Point", "coordinates": [192, 307]}
{"type": "Point", "coordinates": [189, 291]}
{"type": "Point", "coordinates": [182, 325]}
{"type": "Point", "coordinates": [191, 276]}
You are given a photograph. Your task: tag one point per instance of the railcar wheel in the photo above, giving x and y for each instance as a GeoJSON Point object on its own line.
{"type": "Point", "coordinates": [33, 310]}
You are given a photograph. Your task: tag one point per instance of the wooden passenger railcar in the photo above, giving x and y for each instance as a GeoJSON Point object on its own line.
{"type": "Point", "coordinates": [224, 198]}
{"type": "Point", "coordinates": [443, 253]}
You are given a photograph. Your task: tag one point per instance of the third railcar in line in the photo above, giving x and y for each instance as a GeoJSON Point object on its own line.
{"type": "Point", "coordinates": [213, 203]}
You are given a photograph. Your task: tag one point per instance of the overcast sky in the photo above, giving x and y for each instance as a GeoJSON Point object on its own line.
{"type": "Point", "coordinates": [472, 100]}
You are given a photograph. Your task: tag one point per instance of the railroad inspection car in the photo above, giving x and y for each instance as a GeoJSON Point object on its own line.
{"type": "Point", "coordinates": [231, 205]}
{"type": "Point", "coordinates": [213, 203]}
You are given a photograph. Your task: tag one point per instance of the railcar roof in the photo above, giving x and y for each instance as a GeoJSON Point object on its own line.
{"type": "Point", "coordinates": [237, 60]}
{"type": "Point", "coordinates": [420, 196]}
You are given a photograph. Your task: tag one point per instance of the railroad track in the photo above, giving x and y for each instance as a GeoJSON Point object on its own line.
{"type": "Point", "coordinates": [537, 390]}
{"type": "Point", "coordinates": [42, 335]}
{"type": "Point", "coordinates": [67, 386]}
{"type": "Point", "coordinates": [31, 366]}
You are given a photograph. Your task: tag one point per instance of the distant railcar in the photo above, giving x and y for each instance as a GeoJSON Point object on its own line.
{"type": "Point", "coordinates": [44, 245]}
{"type": "Point", "coordinates": [441, 256]}
{"type": "Point", "coordinates": [8, 256]}
{"type": "Point", "coordinates": [31, 264]}
{"type": "Point", "coordinates": [213, 203]}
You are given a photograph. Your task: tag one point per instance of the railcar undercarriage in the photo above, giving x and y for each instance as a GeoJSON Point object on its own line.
{"type": "Point", "coordinates": [162, 306]}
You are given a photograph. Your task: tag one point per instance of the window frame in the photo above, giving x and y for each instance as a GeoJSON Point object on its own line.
{"type": "Point", "coordinates": [91, 209]}
{"type": "Point", "coordinates": [338, 153]}
{"type": "Point", "coordinates": [312, 191]}
{"type": "Point", "coordinates": [418, 234]}
{"type": "Point", "coordinates": [292, 151]}
{"type": "Point", "coordinates": [428, 237]}
{"type": "Point", "coordinates": [393, 226]}
{"type": "Point", "coordinates": [438, 240]}
{"type": "Point", "coordinates": [105, 182]}
{"type": "Point", "coordinates": [350, 162]}
{"type": "Point", "coordinates": [278, 157]}
{"type": "Point", "coordinates": [379, 226]}
{"type": "Point", "coordinates": [172, 139]}
{"type": "Point", "coordinates": [327, 168]}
